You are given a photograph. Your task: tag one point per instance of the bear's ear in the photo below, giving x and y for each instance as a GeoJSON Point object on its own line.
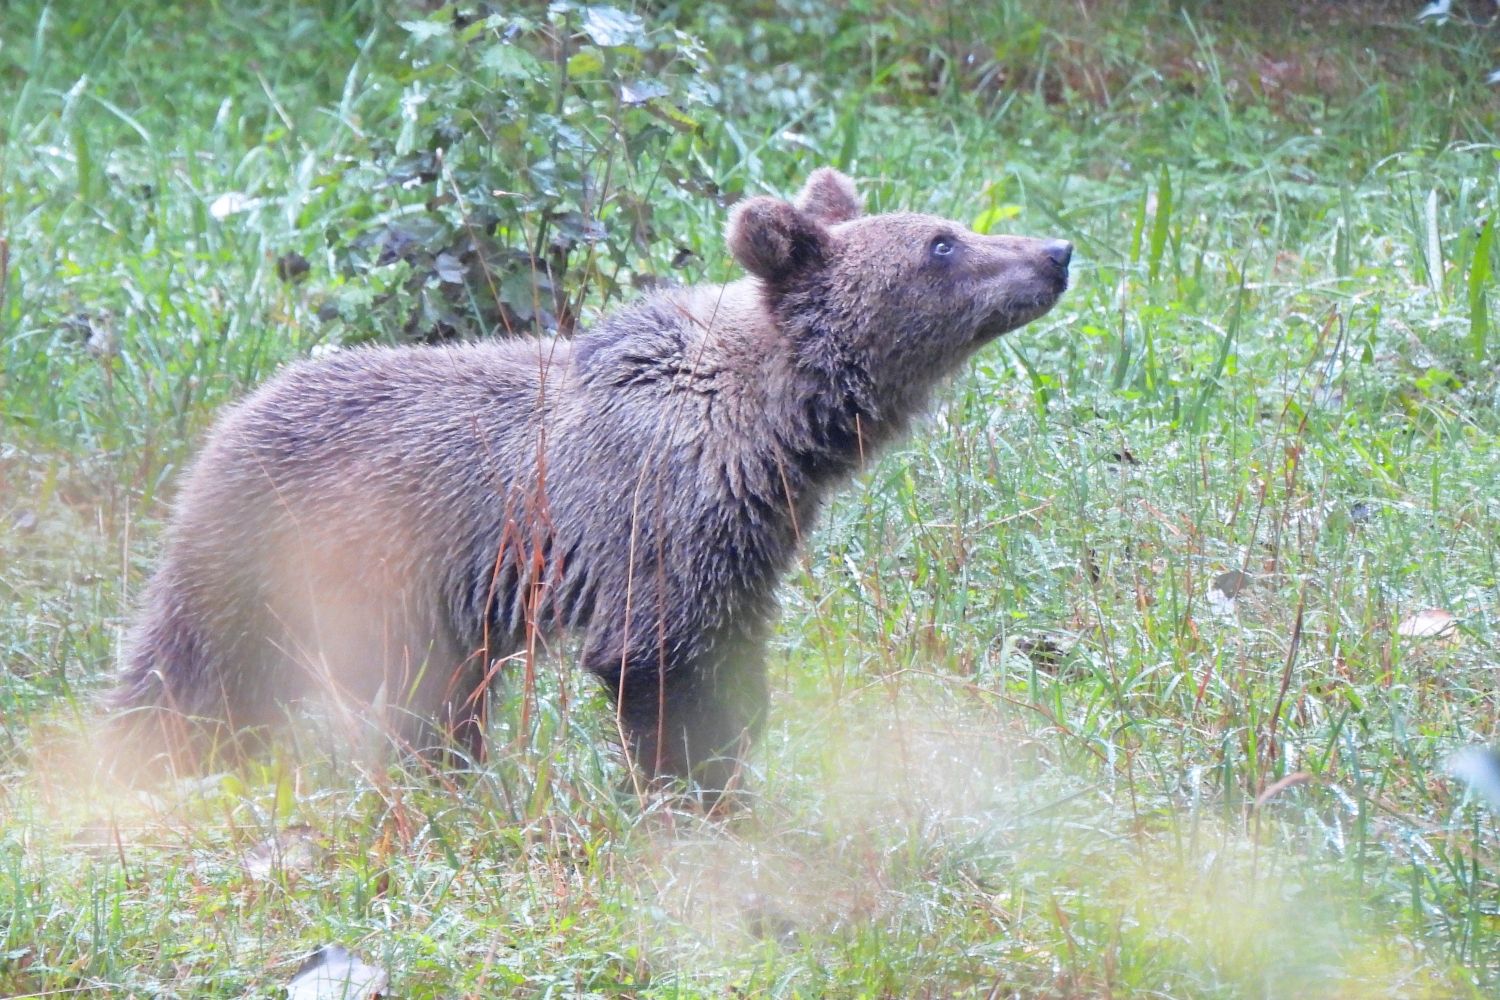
{"type": "Point", "coordinates": [773, 240]}
{"type": "Point", "coordinates": [829, 197]}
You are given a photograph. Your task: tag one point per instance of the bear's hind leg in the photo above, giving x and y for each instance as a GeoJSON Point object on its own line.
{"type": "Point", "coordinates": [443, 704]}
{"type": "Point", "coordinates": [181, 706]}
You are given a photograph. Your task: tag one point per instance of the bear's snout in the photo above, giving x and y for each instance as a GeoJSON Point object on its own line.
{"type": "Point", "coordinates": [1052, 267]}
{"type": "Point", "coordinates": [1059, 252]}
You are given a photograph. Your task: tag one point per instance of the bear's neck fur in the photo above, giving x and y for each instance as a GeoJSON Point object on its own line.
{"type": "Point", "coordinates": [808, 398]}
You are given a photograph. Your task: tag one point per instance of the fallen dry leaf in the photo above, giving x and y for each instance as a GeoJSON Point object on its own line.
{"type": "Point", "coordinates": [1223, 591]}
{"type": "Point", "coordinates": [1231, 583]}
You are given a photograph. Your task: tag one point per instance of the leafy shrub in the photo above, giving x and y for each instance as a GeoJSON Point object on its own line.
{"type": "Point", "coordinates": [531, 153]}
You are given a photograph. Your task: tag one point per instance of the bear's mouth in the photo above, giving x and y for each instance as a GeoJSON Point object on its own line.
{"type": "Point", "coordinates": [1016, 313]}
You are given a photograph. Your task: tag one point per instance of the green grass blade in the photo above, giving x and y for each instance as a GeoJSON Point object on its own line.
{"type": "Point", "coordinates": [1479, 279]}
{"type": "Point", "coordinates": [1160, 225]}
{"type": "Point", "coordinates": [1434, 247]}
{"type": "Point", "coordinates": [1194, 418]}
{"type": "Point", "coordinates": [1139, 229]}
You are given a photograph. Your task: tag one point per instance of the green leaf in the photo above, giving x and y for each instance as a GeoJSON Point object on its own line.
{"type": "Point", "coordinates": [987, 220]}
{"type": "Point", "coordinates": [673, 117]}
{"type": "Point", "coordinates": [610, 27]}
{"type": "Point", "coordinates": [585, 64]}
{"type": "Point", "coordinates": [510, 62]}
{"type": "Point", "coordinates": [425, 31]}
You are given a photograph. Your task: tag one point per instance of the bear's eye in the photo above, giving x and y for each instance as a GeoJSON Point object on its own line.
{"type": "Point", "coordinates": [942, 246]}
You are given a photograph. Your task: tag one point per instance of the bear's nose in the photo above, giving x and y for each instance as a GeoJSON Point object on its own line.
{"type": "Point", "coordinates": [1059, 252]}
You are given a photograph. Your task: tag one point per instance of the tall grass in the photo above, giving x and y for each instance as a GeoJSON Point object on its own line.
{"type": "Point", "coordinates": [1019, 747]}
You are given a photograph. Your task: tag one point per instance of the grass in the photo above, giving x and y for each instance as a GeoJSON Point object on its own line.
{"type": "Point", "coordinates": [1016, 750]}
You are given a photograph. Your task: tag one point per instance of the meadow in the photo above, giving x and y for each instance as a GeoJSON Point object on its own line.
{"type": "Point", "coordinates": [1136, 671]}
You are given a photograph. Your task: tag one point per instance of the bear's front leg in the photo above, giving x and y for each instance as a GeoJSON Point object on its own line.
{"type": "Point", "coordinates": [692, 721]}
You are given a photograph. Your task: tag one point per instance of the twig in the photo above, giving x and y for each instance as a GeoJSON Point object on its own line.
{"type": "Point", "coordinates": [1286, 672]}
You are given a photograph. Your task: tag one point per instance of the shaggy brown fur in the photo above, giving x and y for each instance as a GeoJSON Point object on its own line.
{"type": "Point", "coordinates": [391, 525]}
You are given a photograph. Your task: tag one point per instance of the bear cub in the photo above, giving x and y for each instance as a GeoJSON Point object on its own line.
{"type": "Point", "coordinates": [393, 526]}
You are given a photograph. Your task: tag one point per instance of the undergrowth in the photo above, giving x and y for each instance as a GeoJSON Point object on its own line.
{"type": "Point", "coordinates": [1096, 687]}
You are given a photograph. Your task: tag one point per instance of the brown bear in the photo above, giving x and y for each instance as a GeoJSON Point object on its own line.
{"type": "Point", "coordinates": [392, 525]}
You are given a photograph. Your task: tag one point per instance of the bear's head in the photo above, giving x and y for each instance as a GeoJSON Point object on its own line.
{"type": "Point", "coordinates": [888, 303]}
